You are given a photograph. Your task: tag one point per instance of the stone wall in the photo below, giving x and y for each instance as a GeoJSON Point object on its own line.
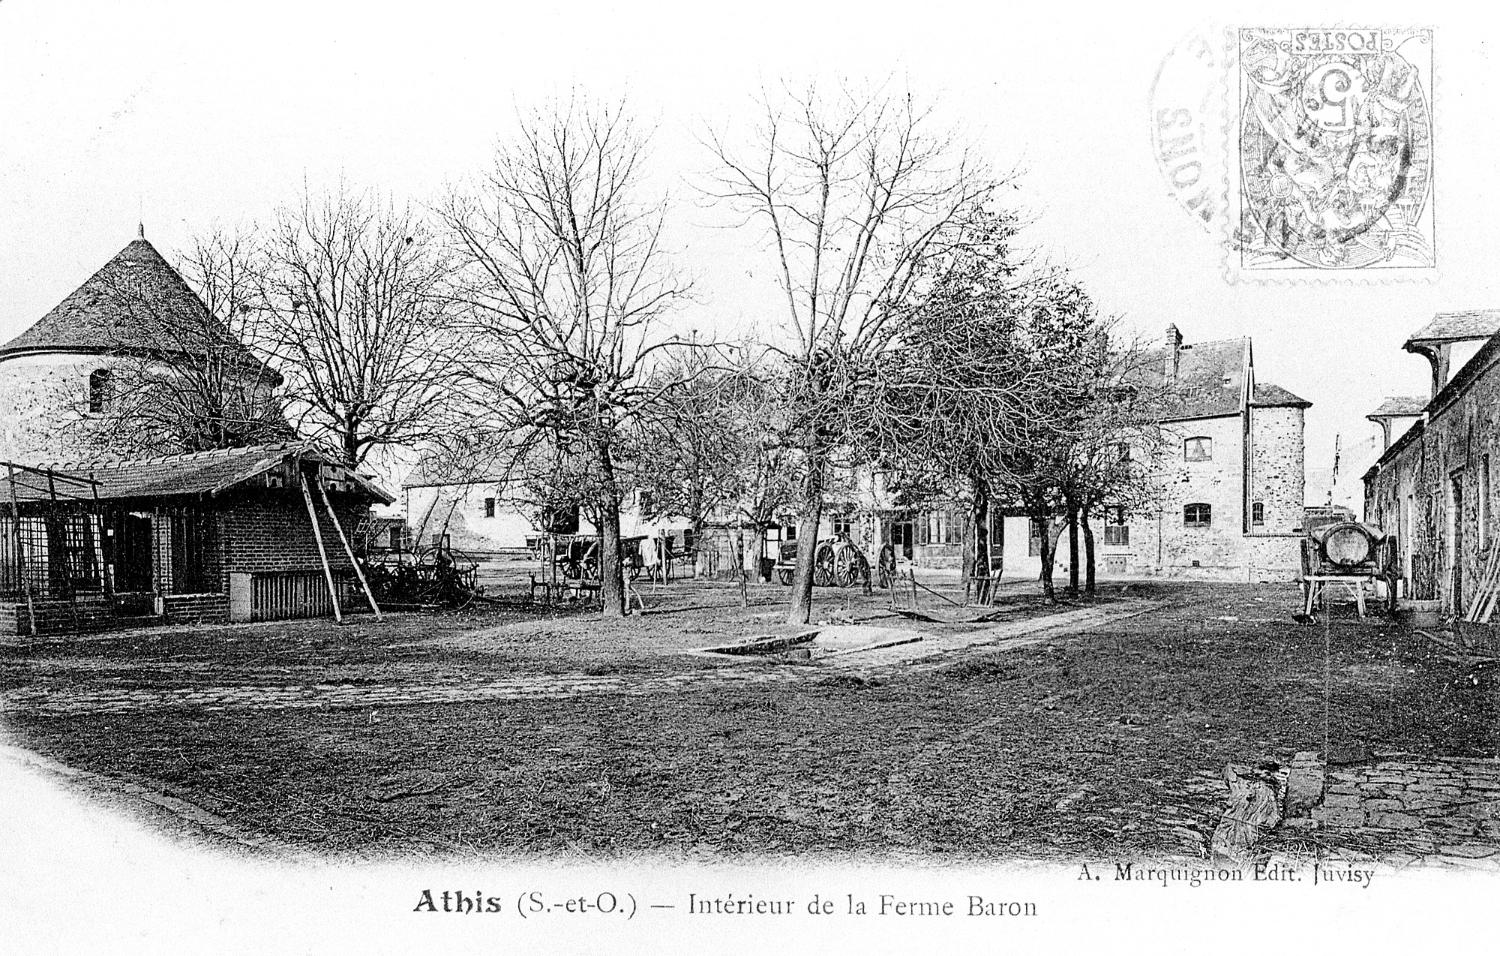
{"type": "Point", "coordinates": [1277, 469]}
{"type": "Point", "coordinates": [46, 395]}
{"type": "Point", "coordinates": [45, 399]}
{"type": "Point", "coordinates": [1436, 491]}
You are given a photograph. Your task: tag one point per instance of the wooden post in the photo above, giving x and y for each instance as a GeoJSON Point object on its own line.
{"type": "Point", "coordinates": [15, 510]}
{"type": "Point", "coordinates": [106, 546]}
{"type": "Point", "coordinates": [348, 550]}
{"type": "Point", "coordinates": [312, 515]}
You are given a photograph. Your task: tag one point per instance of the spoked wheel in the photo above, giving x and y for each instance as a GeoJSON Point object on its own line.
{"type": "Point", "coordinates": [784, 576]}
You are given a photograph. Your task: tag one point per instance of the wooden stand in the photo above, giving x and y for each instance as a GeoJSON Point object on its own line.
{"type": "Point", "coordinates": [1313, 585]}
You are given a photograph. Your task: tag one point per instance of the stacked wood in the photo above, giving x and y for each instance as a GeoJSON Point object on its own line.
{"type": "Point", "coordinates": [1482, 606]}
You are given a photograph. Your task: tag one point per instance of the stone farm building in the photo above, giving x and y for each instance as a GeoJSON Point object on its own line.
{"type": "Point", "coordinates": [1231, 486]}
{"type": "Point", "coordinates": [1433, 487]}
{"type": "Point", "coordinates": [98, 529]}
{"type": "Point", "coordinates": [214, 536]}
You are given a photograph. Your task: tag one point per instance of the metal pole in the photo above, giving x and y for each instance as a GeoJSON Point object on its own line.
{"type": "Point", "coordinates": [312, 515]}
{"type": "Point", "coordinates": [15, 510]}
{"type": "Point", "coordinates": [369, 595]}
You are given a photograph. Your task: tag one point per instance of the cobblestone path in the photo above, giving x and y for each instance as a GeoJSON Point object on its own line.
{"type": "Point", "coordinates": [1417, 808]}
{"type": "Point", "coordinates": [926, 655]}
{"type": "Point", "coordinates": [397, 694]}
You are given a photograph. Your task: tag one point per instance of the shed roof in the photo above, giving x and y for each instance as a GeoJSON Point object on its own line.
{"type": "Point", "coordinates": [1461, 326]}
{"type": "Point", "coordinates": [1399, 406]}
{"type": "Point", "coordinates": [195, 475]}
{"type": "Point", "coordinates": [135, 304]}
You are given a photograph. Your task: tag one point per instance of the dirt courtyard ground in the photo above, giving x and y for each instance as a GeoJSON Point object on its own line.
{"type": "Point", "coordinates": [1037, 733]}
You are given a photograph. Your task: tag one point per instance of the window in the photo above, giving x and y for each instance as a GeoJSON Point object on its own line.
{"type": "Point", "coordinates": [489, 507]}
{"type": "Point", "coordinates": [842, 525]}
{"type": "Point", "coordinates": [1258, 512]}
{"type": "Point", "coordinates": [791, 533]}
{"type": "Point", "coordinates": [101, 390]}
{"type": "Point", "coordinates": [1035, 530]}
{"type": "Point", "coordinates": [1116, 531]}
{"type": "Point", "coordinates": [1198, 449]}
{"type": "Point", "coordinates": [1197, 516]}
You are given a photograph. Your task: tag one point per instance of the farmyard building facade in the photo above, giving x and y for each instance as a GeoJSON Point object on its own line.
{"type": "Point", "coordinates": [1231, 481]}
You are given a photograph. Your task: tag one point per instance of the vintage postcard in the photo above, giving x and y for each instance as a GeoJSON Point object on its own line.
{"type": "Point", "coordinates": [791, 478]}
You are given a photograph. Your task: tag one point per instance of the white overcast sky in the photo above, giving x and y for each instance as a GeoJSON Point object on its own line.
{"type": "Point", "coordinates": [187, 115]}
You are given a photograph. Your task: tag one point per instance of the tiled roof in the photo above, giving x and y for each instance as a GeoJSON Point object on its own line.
{"type": "Point", "coordinates": [1267, 395]}
{"type": "Point", "coordinates": [1210, 377]}
{"type": "Point", "coordinates": [137, 303]}
{"type": "Point", "coordinates": [203, 473]}
{"type": "Point", "coordinates": [1458, 327]}
{"type": "Point", "coordinates": [1399, 406]}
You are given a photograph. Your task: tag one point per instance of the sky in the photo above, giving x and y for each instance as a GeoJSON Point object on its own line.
{"type": "Point", "coordinates": [184, 117]}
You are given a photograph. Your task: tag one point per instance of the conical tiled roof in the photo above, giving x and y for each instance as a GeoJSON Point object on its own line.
{"type": "Point", "coordinates": [136, 304]}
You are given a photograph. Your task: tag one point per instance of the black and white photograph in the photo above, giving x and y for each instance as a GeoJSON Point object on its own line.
{"type": "Point", "coordinates": [801, 477]}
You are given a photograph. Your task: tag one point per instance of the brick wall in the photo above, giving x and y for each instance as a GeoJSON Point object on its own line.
{"type": "Point", "coordinates": [267, 533]}
{"type": "Point", "coordinates": [197, 608]}
{"type": "Point", "coordinates": [90, 613]}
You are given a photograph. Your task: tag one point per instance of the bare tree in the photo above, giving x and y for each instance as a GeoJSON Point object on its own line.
{"type": "Point", "coordinates": [363, 332]}
{"type": "Point", "coordinates": [967, 384]}
{"type": "Point", "coordinates": [714, 446]}
{"type": "Point", "coordinates": [1114, 445]}
{"type": "Point", "coordinates": [856, 192]}
{"type": "Point", "coordinates": [565, 286]}
{"type": "Point", "coordinates": [188, 372]}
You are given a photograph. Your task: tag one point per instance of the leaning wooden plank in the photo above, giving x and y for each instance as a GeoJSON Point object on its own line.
{"type": "Point", "coordinates": [344, 540]}
{"type": "Point", "coordinates": [1485, 596]}
{"type": "Point", "coordinates": [312, 515]}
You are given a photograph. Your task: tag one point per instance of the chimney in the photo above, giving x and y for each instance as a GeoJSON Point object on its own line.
{"type": "Point", "coordinates": [1174, 350]}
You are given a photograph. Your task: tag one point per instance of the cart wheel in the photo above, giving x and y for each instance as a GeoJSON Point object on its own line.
{"type": "Point", "coordinates": [821, 576]}
{"type": "Point", "coordinates": [846, 576]}
{"type": "Point", "coordinates": [785, 577]}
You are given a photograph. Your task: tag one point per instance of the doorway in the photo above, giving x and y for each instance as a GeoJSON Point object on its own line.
{"type": "Point", "coordinates": [903, 535]}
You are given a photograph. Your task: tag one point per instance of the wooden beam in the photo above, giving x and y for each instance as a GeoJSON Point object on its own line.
{"type": "Point", "coordinates": [15, 510]}
{"type": "Point", "coordinates": [312, 515]}
{"type": "Point", "coordinates": [348, 550]}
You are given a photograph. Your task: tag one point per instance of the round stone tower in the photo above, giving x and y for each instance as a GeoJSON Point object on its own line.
{"type": "Point", "coordinates": [64, 381]}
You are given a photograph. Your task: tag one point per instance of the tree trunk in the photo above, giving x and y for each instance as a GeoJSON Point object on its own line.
{"type": "Point", "coordinates": [739, 560]}
{"type": "Point", "coordinates": [1049, 552]}
{"type": "Point", "coordinates": [800, 611]}
{"type": "Point", "coordinates": [997, 547]}
{"type": "Point", "coordinates": [1088, 548]}
{"type": "Point", "coordinates": [979, 559]}
{"type": "Point", "coordinates": [1073, 549]}
{"type": "Point", "coordinates": [611, 568]}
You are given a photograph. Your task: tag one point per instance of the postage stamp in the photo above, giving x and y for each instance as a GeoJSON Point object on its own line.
{"type": "Point", "coordinates": [1331, 154]}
